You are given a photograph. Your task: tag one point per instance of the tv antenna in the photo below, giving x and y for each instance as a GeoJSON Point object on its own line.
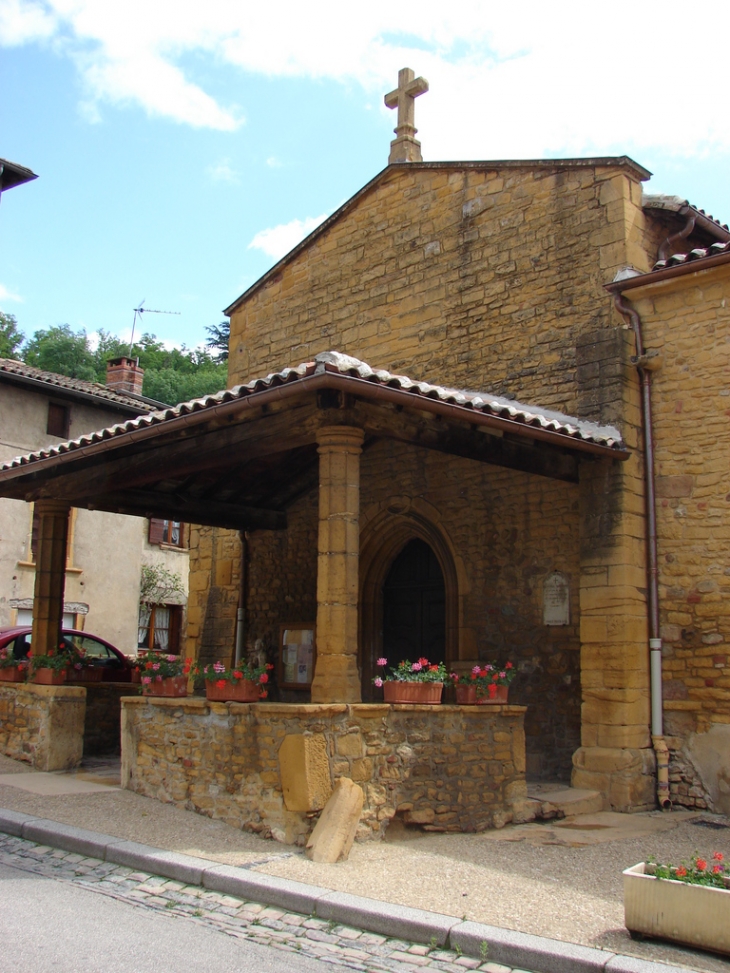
{"type": "Point", "coordinates": [138, 312]}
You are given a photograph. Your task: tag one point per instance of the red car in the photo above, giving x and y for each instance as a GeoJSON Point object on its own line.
{"type": "Point", "coordinates": [96, 651]}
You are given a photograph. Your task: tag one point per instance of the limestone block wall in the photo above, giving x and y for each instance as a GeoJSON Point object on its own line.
{"type": "Point", "coordinates": [444, 768]}
{"type": "Point", "coordinates": [481, 277]}
{"type": "Point", "coordinates": [687, 322]}
{"type": "Point", "coordinates": [42, 725]}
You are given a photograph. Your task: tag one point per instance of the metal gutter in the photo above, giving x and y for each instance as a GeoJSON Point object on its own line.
{"type": "Point", "coordinates": [301, 386]}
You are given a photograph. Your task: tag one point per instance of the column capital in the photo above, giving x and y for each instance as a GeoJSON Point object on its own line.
{"type": "Point", "coordinates": [340, 438]}
{"type": "Point", "coordinates": [49, 505]}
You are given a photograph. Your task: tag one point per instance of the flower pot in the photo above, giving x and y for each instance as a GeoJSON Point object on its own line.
{"type": "Point", "coordinates": [136, 676]}
{"type": "Point", "coordinates": [696, 915]}
{"type": "Point", "coordinates": [86, 674]}
{"type": "Point", "coordinates": [171, 686]}
{"type": "Point", "coordinates": [49, 677]}
{"type": "Point", "coordinates": [240, 691]}
{"type": "Point", "coordinates": [13, 674]}
{"type": "Point", "coordinates": [412, 692]}
{"type": "Point", "coordinates": [500, 696]}
{"type": "Point", "coordinates": [466, 695]}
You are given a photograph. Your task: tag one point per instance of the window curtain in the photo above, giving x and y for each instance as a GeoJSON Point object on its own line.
{"type": "Point", "coordinates": [145, 613]}
{"type": "Point", "coordinates": [162, 628]}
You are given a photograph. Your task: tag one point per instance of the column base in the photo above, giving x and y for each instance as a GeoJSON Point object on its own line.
{"type": "Point", "coordinates": [336, 680]}
{"type": "Point", "coordinates": [625, 777]}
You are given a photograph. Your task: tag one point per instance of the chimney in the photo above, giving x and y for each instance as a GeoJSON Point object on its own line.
{"type": "Point", "coordinates": [124, 375]}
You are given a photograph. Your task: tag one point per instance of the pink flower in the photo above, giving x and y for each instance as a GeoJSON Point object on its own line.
{"type": "Point", "coordinates": [158, 678]}
{"type": "Point", "coordinates": [218, 667]}
{"type": "Point", "coordinates": [155, 666]}
{"type": "Point", "coordinates": [146, 680]}
{"type": "Point", "coordinates": [382, 662]}
{"type": "Point", "coordinates": [378, 682]}
{"type": "Point", "coordinates": [416, 667]}
{"type": "Point", "coordinates": [503, 675]}
{"type": "Point", "coordinates": [476, 670]}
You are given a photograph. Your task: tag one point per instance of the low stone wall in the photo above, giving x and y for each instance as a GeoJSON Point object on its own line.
{"type": "Point", "coordinates": [444, 768]}
{"type": "Point", "coordinates": [42, 725]}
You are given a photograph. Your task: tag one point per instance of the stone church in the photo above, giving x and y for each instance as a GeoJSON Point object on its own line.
{"type": "Point", "coordinates": [491, 277]}
{"type": "Point", "coordinates": [479, 414]}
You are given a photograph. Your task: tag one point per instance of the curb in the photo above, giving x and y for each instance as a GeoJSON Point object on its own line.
{"type": "Point", "coordinates": [506, 946]}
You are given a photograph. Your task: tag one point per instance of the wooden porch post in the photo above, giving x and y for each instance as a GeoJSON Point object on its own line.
{"type": "Point", "coordinates": [50, 575]}
{"type": "Point", "coordinates": [336, 679]}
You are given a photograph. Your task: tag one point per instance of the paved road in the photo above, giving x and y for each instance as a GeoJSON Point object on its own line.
{"type": "Point", "coordinates": [63, 913]}
{"type": "Point", "coordinates": [50, 926]}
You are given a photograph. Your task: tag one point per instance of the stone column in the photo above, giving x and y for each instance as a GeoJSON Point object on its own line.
{"type": "Point", "coordinates": [336, 678]}
{"type": "Point", "coordinates": [616, 757]}
{"type": "Point", "coordinates": [50, 574]}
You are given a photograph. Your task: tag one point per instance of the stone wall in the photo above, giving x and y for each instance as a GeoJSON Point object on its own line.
{"type": "Point", "coordinates": [444, 768]}
{"type": "Point", "coordinates": [686, 321]}
{"type": "Point", "coordinates": [42, 725]}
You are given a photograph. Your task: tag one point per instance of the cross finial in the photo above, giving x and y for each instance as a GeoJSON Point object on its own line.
{"type": "Point", "coordinates": [405, 148]}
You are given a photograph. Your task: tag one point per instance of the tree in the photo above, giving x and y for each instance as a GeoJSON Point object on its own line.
{"type": "Point", "coordinates": [61, 350]}
{"type": "Point", "coordinates": [11, 338]}
{"type": "Point", "coordinates": [220, 336]}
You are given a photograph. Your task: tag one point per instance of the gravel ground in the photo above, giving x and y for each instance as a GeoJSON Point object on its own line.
{"type": "Point", "coordinates": [560, 880]}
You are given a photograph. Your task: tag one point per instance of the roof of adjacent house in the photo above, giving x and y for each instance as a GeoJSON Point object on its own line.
{"type": "Point", "coordinates": [359, 378]}
{"type": "Point", "coordinates": [30, 377]}
{"type": "Point", "coordinates": [12, 174]}
{"type": "Point", "coordinates": [679, 264]}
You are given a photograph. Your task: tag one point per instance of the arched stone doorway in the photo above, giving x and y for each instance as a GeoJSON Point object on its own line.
{"type": "Point", "coordinates": [404, 560]}
{"type": "Point", "coordinates": [414, 606]}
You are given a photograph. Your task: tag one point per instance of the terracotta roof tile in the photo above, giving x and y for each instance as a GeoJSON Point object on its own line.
{"type": "Point", "coordinates": [699, 254]}
{"type": "Point", "coordinates": [11, 367]}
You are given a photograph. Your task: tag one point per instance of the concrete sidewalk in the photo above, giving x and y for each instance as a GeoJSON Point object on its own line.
{"type": "Point", "coordinates": [545, 897]}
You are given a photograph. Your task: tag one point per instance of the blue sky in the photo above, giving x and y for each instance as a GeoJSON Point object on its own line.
{"type": "Point", "coordinates": [182, 148]}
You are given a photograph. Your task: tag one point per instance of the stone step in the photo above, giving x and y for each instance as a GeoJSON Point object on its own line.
{"type": "Point", "coordinates": [554, 800]}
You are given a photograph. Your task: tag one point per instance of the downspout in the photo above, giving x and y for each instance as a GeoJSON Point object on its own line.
{"type": "Point", "coordinates": [242, 600]}
{"type": "Point", "coordinates": [644, 367]}
{"type": "Point", "coordinates": [668, 247]}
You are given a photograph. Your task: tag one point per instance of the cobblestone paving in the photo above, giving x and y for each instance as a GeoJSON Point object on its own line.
{"type": "Point", "coordinates": [326, 941]}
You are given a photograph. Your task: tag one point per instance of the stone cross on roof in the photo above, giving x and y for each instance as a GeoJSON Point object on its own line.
{"type": "Point", "coordinates": [405, 148]}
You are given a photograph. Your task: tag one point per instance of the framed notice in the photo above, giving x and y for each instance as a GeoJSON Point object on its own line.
{"type": "Point", "coordinates": [297, 655]}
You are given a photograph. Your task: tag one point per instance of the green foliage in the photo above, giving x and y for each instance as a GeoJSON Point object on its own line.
{"type": "Point", "coordinates": [157, 585]}
{"type": "Point", "coordinates": [11, 338]}
{"type": "Point", "coordinates": [61, 350]}
{"type": "Point", "coordinates": [171, 375]}
{"type": "Point", "coordinates": [220, 336]}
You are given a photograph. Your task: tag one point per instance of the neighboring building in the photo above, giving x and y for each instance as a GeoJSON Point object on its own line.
{"type": "Point", "coordinates": [105, 552]}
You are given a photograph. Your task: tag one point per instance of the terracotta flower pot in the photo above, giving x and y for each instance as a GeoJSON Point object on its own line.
{"type": "Point", "coordinates": [49, 677]}
{"type": "Point", "coordinates": [240, 691]}
{"type": "Point", "coordinates": [86, 674]}
{"type": "Point", "coordinates": [412, 692]}
{"type": "Point", "coordinates": [171, 686]}
{"type": "Point", "coordinates": [136, 676]}
{"type": "Point", "coordinates": [13, 674]}
{"type": "Point", "coordinates": [466, 695]}
{"type": "Point", "coordinates": [500, 696]}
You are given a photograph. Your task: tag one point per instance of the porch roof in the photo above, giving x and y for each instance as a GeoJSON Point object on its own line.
{"type": "Point", "coordinates": [239, 458]}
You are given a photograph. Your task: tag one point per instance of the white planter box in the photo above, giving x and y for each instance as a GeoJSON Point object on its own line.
{"type": "Point", "coordinates": [696, 915]}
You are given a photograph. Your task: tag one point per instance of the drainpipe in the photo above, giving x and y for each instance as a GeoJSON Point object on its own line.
{"type": "Point", "coordinates": [645, 364]}
{"type": "Point", "coordinates": [668, 247]}
{"type": "Point", "coordinates": [242, 600]}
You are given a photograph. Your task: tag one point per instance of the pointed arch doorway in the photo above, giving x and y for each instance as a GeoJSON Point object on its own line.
{"type": "Point", "coordinates": [409, 596]}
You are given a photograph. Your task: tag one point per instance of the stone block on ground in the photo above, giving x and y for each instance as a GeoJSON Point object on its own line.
{"type": "Point", "coordinates": [334, 833]}
{"type": "Point", "coordinates": [305, 771]}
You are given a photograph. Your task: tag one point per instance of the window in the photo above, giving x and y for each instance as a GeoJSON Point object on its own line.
{"type": "Point", "coordinates": [59, 417]}
{"type": "Point", "coordinates": [171, 532]}
{"type": "Point", "coordinates": [159, 628]}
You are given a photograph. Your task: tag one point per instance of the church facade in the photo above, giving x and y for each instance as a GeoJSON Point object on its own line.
{"type": "Point", "coordinates": [488, 277]}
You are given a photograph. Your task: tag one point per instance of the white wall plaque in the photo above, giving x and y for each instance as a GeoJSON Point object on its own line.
{"type": "Point", "coordinates": [556, 599]}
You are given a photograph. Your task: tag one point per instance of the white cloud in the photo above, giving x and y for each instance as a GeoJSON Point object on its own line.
{"type": "Point", "coordinates": [223, 172]}
{"type": "Point", "coordinates": [526, 79]}
{"type": "Point", "coordinates": [6, 295]}
{"type": "Point", "coordinates": [273, 163]}
{"type": "Point", "coordinates": [279, 240]}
